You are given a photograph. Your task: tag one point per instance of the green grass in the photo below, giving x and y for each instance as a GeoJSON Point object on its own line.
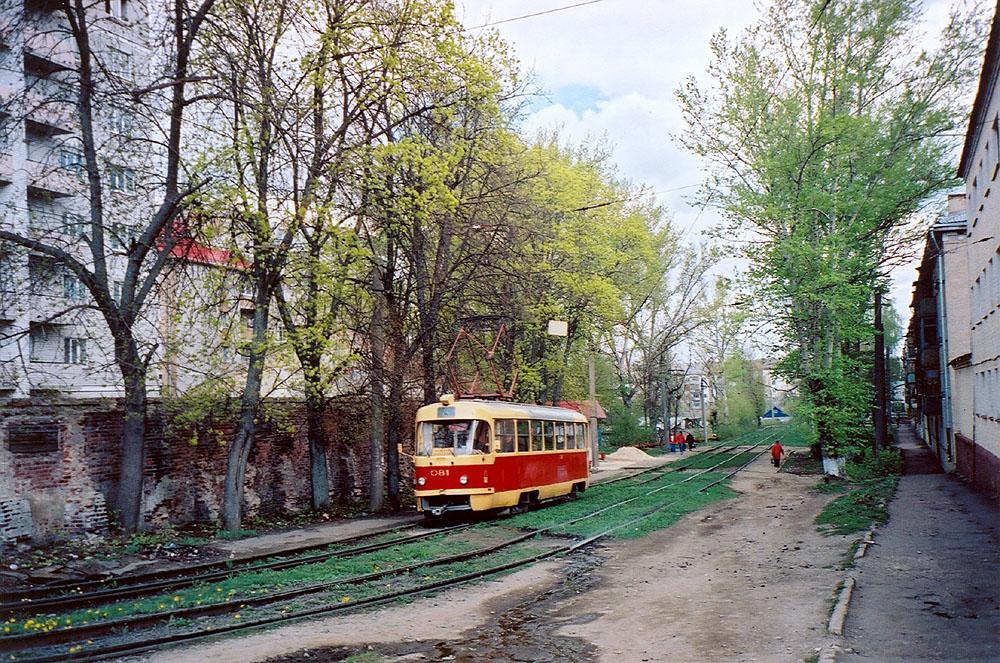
{"type": "Point", "coordinates": [859, 509]}
{"type": "Point", "coordinates": [247, 585]}
{"type": "Point", "coordinates": [602, 496]}
{"type": "Point", "coordinates": [726, 460]}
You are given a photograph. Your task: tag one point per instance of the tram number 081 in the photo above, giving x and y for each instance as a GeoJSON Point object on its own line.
{"type": "Point", "coordinates": [439, 473]}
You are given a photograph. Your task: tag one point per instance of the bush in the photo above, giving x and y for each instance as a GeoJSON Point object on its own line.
{"type": "Point", "coordinates": [866, 464]}
{"type": "Point", "coordinates": [625, 429]}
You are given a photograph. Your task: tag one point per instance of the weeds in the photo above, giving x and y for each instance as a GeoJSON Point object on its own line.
{"type": "Point", "coordinates": [859, 509]}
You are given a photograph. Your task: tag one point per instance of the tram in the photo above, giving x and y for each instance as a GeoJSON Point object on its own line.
{"type": "Point", "coordinates": [477, 455]}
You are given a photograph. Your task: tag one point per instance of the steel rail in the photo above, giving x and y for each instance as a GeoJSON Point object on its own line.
{"type": "Point", "coordinates": [125, 649]}
{"type": "Point", "coordinates": [69, 601]}
{"type": "Point", "coordinates": [20, 603]}
{"type": "Point", "coordinates": [60, 636]}
{"type": "Point", "coordinates": [204, 567]}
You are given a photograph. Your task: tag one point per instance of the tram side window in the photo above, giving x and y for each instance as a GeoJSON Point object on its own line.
{"type": "Point", "coordinates": [536, 436]}
{"type": "Point", "coordinates": [548, 434]}
{"type": "Point", "coordinates": [523, 436]}
{"type": "Point", "coordinates": [582, 442]}
{"type": "Point", "coordinates": [571, 436]}
{"type": "Point", "coordinates": [505, 432]}
{"type": "Point", "coordinates": [561, 435]}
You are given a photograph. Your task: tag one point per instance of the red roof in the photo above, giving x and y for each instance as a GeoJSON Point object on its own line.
{"type": "Point", "coordinates": [186, 248]}
{"type": "Point", "coordinates": [583, 407]}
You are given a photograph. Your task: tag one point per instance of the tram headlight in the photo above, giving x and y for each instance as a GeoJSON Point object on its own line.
{"type": "Point", "coordinates": [421, 481]}
{"type": "Point", "coordinates": [463, 479]}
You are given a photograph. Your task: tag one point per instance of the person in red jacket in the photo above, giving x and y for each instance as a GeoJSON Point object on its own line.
{"type": "Point", "coordinates": [777, 451]}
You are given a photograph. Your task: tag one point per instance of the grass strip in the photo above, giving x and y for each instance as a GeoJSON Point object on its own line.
{"type": "Point", "coordinates": [859, 509]}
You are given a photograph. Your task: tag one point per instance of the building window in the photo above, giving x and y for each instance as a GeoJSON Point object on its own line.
{"type": "Point", "coordinates": [74, 350]}
{"type": "Point", "coordinates": [122, 235]}
{"type": "Point", "coordinates": [121, 179]}
{"type": "Point", "coordinates": [119, 64]}
{"type": "Point", "coordinates": [71, 161]}
{"type": "Point", "coordinates": [117, 8]}
{"type": "Point", "coordinates": [33, 437]}
{"type": "Point", "coordinates": [74, 224]}
{"type": "Point", "coordinates": [73, 287]}
{"type": "Point", "coordinates": [120, 122]}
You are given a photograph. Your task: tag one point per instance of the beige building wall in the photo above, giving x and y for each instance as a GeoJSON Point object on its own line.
{"type": "Point", "coordinates": [979, 168]}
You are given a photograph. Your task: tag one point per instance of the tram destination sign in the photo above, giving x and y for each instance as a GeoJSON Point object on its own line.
{"type": "Point", "coordinates": [446, 412]}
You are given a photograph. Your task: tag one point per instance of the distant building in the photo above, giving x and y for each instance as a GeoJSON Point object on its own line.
{"type": "Point", "coordinates": [938, 332]}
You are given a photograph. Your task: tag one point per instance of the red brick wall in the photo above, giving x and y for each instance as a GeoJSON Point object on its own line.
{"type": "Point", "coordinates": [978, 465]}
{"type": "Point", "coordinates": [66, 490]}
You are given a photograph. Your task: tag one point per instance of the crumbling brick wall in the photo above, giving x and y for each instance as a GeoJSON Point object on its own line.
{"type": "Point", "coordinates": [68, 489]}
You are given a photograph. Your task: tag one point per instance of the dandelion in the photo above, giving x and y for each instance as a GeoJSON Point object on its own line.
{"type": "Point", "coordinates": [177, 598]}
{"type": "Point", "coordinates": [236, 616]}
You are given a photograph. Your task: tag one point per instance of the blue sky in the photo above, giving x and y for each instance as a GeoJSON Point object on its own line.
{"type": "Point", "coordinates": [609, 70]}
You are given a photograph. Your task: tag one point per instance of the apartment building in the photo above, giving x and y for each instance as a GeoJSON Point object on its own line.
{"type": "Point", "coordinates": [51, 339]}
{"type": "Point", "coordinates": [953, 341]}
{"type": "Point", "coordinates": [938, 332]}
{"type": "Point", "coordinates": [977, 425]}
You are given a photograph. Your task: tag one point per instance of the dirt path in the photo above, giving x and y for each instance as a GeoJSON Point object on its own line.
{"type": "Point", "coordinates": [747, 579]}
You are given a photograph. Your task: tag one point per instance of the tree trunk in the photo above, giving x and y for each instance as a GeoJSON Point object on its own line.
{"type": "Point", "coordinates": [319, 471]}
{"type": "Point", "coordinates": [430, 372]}
{"type": "Point", "coordinates": [239, 451]}
{"type": "Point", "coordinates": [376, 481]}
{"type": "Point", "coordinates": [395, 437]}
{"type": "Point", "coordinates": [879, 410]}
{"type": "Point", "coordinates": [128, 497]}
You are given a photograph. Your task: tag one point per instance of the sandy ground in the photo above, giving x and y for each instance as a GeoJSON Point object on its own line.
{"type": "Point", "coordinates": [747, 579]}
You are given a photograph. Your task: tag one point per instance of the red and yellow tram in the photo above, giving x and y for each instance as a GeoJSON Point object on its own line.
{"type": "Point", "coordinates": [478, 455]}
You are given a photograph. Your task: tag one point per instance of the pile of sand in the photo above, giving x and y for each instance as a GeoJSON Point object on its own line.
{"type": "Point", "coordinates": [628, 454]}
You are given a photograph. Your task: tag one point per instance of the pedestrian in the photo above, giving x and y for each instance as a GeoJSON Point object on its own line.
{"type": "Point", "coordinates": [777, 451]}
{"type": "Point", "coordinates": [689, 439]}
{"type": "Point", "coordinates": [678, 441]}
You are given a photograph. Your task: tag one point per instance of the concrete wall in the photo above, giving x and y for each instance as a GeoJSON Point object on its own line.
{"type": "Point", "coordinates": [67, 490]}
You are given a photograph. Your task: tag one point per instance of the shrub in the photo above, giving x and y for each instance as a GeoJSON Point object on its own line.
{"type": "Point", "coordinates": [866, 464]}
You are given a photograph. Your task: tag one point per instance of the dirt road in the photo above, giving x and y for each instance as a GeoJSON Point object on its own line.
{"type": "Point", "coordinates": [747, 579]}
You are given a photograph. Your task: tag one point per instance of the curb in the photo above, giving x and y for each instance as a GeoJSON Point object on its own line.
{"type": "Point", "coordinates": [839, 615]}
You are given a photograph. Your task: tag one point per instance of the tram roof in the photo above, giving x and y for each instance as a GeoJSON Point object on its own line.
{"type": "Point", "coordinates": [468, 408]}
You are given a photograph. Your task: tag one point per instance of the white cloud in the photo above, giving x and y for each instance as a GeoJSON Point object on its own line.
{"type": "Point", "coordinates": [631, 55]}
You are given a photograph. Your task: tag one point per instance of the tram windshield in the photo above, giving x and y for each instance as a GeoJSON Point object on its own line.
{"type": "Point", "coordinates": [460, 436]}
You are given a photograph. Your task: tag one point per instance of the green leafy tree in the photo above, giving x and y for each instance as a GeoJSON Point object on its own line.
{"type": "Point", "coordinates": [824, 130]}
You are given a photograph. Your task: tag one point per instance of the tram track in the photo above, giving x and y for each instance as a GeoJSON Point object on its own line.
{"type": "Point", "coordinates": [133, 585]}
{"type": "Point", "coordinates": [103, 629]}
{"type": "Point", "coordinates": [69, 595]}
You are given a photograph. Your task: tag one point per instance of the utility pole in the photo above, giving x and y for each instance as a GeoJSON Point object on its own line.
{"type": "Point", "coordinates": [704, 421]}
{"type": "Point", "coordinates": [666, 412]}
{"type": "Point", "coordinates": [593, 412]}
{"type": "Point", "coordinates": [879, 368]}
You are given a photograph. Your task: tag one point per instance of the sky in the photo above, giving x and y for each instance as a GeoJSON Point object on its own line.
{"type": "Point", "coordinates": [609, 69]}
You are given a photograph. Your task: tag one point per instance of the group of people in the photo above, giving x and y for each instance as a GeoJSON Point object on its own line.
{"type": "Point", "coordinates": [678, 441]}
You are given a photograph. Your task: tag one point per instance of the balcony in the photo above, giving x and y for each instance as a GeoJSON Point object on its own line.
{"type": "Point", "coordinates": [45, 116]}
{"type": "Point", "coordinates": [8, 378]}
{"type": "Point", "coordinates": [6, 169]}
{"type": "Point", "coordinates": [46, 53]}
{"type": "Point", "coordinates": [9, 306]}
{"type": "Point", "coordinates": [46, 182]}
